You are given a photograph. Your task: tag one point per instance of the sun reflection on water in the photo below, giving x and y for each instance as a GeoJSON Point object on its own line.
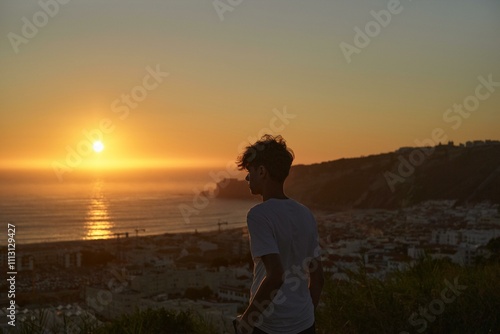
{"type": "Point", "coordinates": [98, 225]}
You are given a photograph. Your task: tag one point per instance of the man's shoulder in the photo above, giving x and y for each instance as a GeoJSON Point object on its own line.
{"type": "Point", "coordinates": [300, 205]}
{"type": "Point", "coordinates": [258, 209]}
{"type": "Point", "coordinates": [272, 205]}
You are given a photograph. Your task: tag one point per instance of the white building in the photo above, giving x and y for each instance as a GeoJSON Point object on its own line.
{"type": "Point", "coordinates": [230, 293]}
{"type": "Point", "coordinates": [479, 237]}
{"type": "Point", "coordinates": [415, 252]}
{"type": "Point", "coordinates": [445, 237]}
{"type": "Point", "coordinates": [466, 254]}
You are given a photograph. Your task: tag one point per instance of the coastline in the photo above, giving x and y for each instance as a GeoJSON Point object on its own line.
{"type": "Point", "coordinates": [68, 244]}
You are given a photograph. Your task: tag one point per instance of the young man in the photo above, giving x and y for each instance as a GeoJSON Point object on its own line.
{"type": "Point", "coordinates": [288, 275]}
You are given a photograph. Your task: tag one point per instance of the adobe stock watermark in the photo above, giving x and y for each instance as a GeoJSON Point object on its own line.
{"type": "Point", "coordinates": [373, 28]}
{"type": "Point", "coordinates": [454, 116]}
{"type": "Point", "coordinates": [30, 28]}
{"type": "Point", "coordinates": [220, 179]}
{"type": "Point", "coordinates": [223, 6]}
{"type": "Point", "coordinates": [121, 106]}
{"type": "Point", "coordinates": [436, 307]}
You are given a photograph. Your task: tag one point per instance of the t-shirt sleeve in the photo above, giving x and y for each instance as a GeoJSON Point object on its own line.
{"type": "Point", "coordinates": [262, 238]}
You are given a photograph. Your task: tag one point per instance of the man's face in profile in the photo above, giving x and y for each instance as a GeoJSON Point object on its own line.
{"type": "Point", "coordinates": [254, 179]}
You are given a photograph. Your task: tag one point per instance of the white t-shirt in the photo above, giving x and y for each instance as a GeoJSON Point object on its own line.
{"type": "Point", "coordinates": [287, 228]}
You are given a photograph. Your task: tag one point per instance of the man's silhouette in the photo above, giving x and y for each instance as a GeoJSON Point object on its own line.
{"type": "Point", "coordinates": [288, 275]}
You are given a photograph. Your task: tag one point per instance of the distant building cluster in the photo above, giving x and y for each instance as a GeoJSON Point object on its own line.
{"type": "Point", "coordinates": [384, 241]}
{"type": "Point", "coordinates": [162, 274]}
{"type": "Point", "coordinates": [43, 257]}
{"type": "Point", "coordinates": [473, 143]}
{"type": "Point", "coordinates": [165, 271]}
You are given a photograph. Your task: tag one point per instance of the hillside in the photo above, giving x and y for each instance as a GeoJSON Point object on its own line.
{"type": "Point", "coordinates": [408, 176]}
{"type": "Point", "coordinates": [450, 172]}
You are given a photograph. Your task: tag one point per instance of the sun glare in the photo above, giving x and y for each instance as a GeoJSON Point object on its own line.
{"type": "Point", "coordinates": [98, 146]}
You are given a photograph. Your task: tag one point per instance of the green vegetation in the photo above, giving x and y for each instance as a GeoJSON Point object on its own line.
{"type": "Point", "coordinates": [159, 321]}
{"type": "Point", "coordinates": [434, 296]}
{"type": "Point", "coordinates": [42, 323]}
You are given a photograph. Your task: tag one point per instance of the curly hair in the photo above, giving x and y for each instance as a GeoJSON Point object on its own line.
{"type": "Point", "coordinates": [270, 152]}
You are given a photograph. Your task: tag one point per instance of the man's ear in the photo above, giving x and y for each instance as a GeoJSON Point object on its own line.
{"type": "Point", "coordinates": [262, 171]}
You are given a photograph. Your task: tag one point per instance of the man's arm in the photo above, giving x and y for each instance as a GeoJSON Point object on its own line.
{"type": "Point", "coordinates": [266, 291]}
{"type": "Point", "coordinates": [316, 280]}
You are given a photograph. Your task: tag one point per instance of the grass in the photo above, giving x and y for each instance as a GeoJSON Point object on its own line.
{"type": "Point", "coordinates": [412, 301]}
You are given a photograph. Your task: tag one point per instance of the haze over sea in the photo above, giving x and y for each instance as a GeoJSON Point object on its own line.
{"type": "Point", "coordinates": [98, 205]}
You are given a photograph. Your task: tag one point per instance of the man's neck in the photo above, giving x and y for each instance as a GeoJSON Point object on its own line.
{"type": "Point", "coordinates": [273, 191]}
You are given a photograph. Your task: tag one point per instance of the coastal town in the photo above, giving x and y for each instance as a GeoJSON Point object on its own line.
{"type": "Point", "coordinates": [210, 273]}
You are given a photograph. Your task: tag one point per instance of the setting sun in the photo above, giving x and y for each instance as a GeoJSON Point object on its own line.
{"type": "Point", "coordinates": [98, 146]}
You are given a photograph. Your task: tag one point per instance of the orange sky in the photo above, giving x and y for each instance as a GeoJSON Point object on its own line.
{"type": "Point", "coordinates": [102, 68]}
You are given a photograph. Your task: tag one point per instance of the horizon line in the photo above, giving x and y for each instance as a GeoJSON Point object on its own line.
{"type": "Point", "coordinates": [178, 164]}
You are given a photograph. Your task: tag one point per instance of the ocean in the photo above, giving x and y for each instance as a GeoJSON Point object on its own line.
{"type": "Point", "coordinates": [101, 205]}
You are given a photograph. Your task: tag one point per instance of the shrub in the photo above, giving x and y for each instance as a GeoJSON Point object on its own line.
{"type": "Point", "coordinates": [158, 321]}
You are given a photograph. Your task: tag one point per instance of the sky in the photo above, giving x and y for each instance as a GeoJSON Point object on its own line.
{"type": "Point", "coordinates": [190, 83]}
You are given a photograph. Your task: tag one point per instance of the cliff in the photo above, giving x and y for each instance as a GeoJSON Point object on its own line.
{"type": "Point", "coordinates": [233, 189]}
